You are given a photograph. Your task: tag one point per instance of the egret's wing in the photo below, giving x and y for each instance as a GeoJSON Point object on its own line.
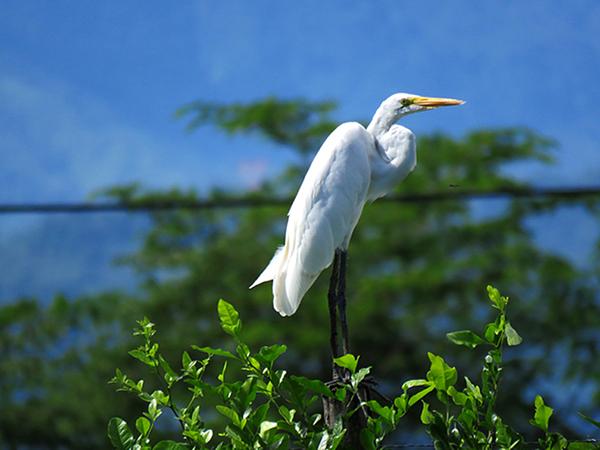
{"type": "Point", "coordinates": [324, 212]}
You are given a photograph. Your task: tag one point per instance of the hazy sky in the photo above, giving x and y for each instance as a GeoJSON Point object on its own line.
{"type": "Point", "coordinates": [87, 88]}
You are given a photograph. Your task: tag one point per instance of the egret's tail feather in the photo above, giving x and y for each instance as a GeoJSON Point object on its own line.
{"type": "Point", "coordinates": [272, 268]}
{"type": "Point", "coordinates": [290, 282]}
{"type": "Point", "coordinates": [281, 301]}
{"type": "Point", "coordinates": [289, 287]}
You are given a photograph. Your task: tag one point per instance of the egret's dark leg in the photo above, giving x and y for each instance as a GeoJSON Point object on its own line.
{"type": "Point", "coordinates": [341, 294]}
{"type": "Point", "coordinates": [332, 300]}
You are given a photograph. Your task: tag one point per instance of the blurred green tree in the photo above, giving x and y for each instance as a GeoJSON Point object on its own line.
{"type": "Point", "coordinates": [416, 271]}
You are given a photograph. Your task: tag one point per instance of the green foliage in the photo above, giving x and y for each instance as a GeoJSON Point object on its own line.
{"type": "Point", "coordinates": [347, 361]}
{"type": "Point", "coordinates": [297, 123]}
{"type": "Point", "coordinates": [120, 435]}
{"type": "Point", "coordinates": [266, 407]}
{"type": "Point", "coordinates": [466, 338]}
{"type": "Point", "coordinates": [542, 414]}
{"type": "Point", "coordinates": [468, 418]}
{"type": "Point", "coordinates": [230, 319]}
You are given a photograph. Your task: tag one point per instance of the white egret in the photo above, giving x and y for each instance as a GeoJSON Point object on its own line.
{"type": "Point", "coordinates": [354, 165]}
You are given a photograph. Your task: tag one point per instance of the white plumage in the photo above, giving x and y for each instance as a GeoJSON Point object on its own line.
{"type": "Point", "coordinates": [352, 166]}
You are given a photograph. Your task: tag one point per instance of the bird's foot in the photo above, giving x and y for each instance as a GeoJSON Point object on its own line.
{"type": "Point", "coordinates": [340, 377]}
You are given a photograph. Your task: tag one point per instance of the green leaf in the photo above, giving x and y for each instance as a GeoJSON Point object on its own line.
{"type": "Point", "coordinates": [229, 317]}
{"type": "Point", "coordinates": [119, 434]}
{"type": "Point", "coordinates": [467, 417]}
{"type": "Point", "coordinates": [348, 361]}
{"type": "Point", "coordinates": [542, 414]}
{"type": "Point", "coordinates": [367, 439]}
{"type": "Point", "coordinates": [440, 373]}
{"type": "Point", "coordinates": [200, 436]}
{"type": "Point", "coordinates": [337, 435]}
{"type": "Point", "coordinates": [279, 376]}
{"type": "Point", "coordinates": [221, 376]}
{"type": "Point", "coordinates": [340, 394]}
{"type": "Point", "coordinates": [146, 328]}
{"type": "Point", "coordinates": [490, 332]}
{"type": "Point", "coordinates": [359, 376]}
{"type": "Point", "coordinates": [323, 442]}
{"type": "Point", "coordinates": [496, 355]}
{"type": "Point", "coordinates": [215, 352]}
{"type": "Point", "coordinates": [498, 301]}
{"type": "Point", "coordinates": [474, 390]}
{"type": "Point", "coordinates": [170, 445]}
{"type": "Point", "coordinates": [426, 416]}
{"type": "Point", "coordinates": [401, 403]}
{"type": "Point", "coordinates": [195, 414]}
{"type": "Point", "coordinates": [119, 377]}
{"type": "Point", "coordinates": [596, 423]}
{"type": "Point", "coordinates": [247, 393]}
{"type": "Point", "coordinates": [421, 394]}
{"type": "Point", "coordinates": [458, 397]}
{"type": "Point", "coordinates": [414, 383]}
{"type": "Point", "coordinates": [559, 442]}
{"type": "Point", "coordinates": [385, 412]}
{"type": "Point", "coordinates": [186, 360]}
{"type": "Point", "coordinates": [502, 434]}
{"type": "Point", "coordinates": [512, 337]}
{"type": "Point", "coordinates": [170, 375]}
{"type": "Point", "coordinates": [313, 385]}
{"type": "Point", "coordinates": [287, 414]}
{"type": "Point", "coordinates": [160, 397]}
{"type": "Point", "coordinates": [265, 427]}
{"type": "Point", "coordinates": [244, 353]}
{"type": "Point", "coordinates": [272, 352]}
{"type": "Point", "coordinates": [154, 411]}
{"type": "Point", "coordinates": [230, 414]}
{"type": "Point", "coordinates": [206, 436]}
{"type": "Point", "coordinates": [236, 438]}
{"type": "Point", "coordinates": [143, 425]}
{"type": "Point", "coordinates": [259, 414]}
{"type": "Point", "coordinates": [466, 338]}
{"type": "Point", "coordinates": [142, 356]}
{"type": "Point", "coordinates": [153, 350]}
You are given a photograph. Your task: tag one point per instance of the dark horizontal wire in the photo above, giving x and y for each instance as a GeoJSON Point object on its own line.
{"type": "Point", "coordinates": [408, 446]}
{"type": "Point", "coordinates": [456, 193]}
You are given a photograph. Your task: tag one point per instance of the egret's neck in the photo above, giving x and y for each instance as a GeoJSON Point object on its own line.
{"type": "Point", "coordinates": [382, 121]}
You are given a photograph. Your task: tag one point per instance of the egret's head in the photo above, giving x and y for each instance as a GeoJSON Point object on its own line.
{"type": "Point", "coordinates": [402, 104]}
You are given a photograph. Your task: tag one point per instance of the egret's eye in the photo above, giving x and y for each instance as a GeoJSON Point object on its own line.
{"type": "Point", "coordinates": [405, 102]}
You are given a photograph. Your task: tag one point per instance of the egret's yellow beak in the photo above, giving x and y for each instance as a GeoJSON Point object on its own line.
{"type": "Point", "coordinates": [432, 102]}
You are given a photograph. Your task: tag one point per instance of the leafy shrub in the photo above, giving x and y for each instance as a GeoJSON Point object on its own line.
{"type": "Point", "coordinates": [265, 407]}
